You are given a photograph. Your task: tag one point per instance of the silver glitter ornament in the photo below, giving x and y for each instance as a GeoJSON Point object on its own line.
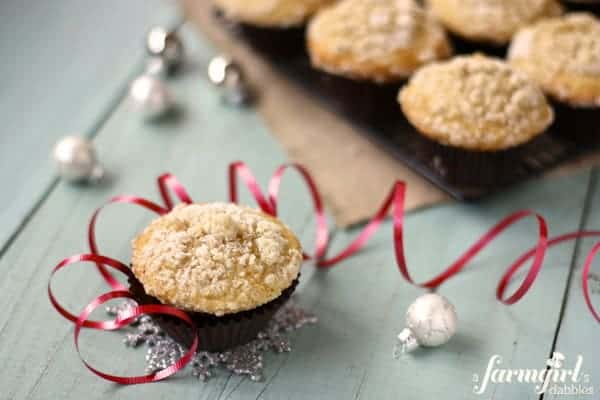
{"type": "Point", "coordinates": [149, 96]}
{"type": "Point", "coordinates": [430, 321]}
{"type": "Point", "coordinates": [76, 160]}
{"type": "Point", "coordinates": [226, 74]}
{"type": "Point", "coordinates": [166, 45]}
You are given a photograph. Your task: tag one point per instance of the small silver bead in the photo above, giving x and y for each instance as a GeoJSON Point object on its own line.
{"type": "Point", "coordinates": [225, 73]}
{"type": "Point", "coordinates": [149, 96]}
{"type": "Point", "coordinates": [167, 45]}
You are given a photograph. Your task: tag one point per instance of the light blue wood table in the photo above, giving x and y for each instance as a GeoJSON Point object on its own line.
{"type": "Point", "coordinates": [64, 69]}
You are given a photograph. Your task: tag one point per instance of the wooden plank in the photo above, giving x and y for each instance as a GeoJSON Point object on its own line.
{"type": "Point", "coordinates": [578, 334]}
{"type": "Point", "coordinates": [64, 65]}
{"type": "Point", "coordinates": [34, 340]}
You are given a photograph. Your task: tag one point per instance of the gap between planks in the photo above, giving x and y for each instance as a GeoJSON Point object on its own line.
{"type": "Point", "coordinates": [587, 206]}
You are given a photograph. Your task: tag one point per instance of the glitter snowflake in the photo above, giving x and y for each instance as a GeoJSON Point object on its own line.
{"type": "Point", "coordinates": [245, 360]}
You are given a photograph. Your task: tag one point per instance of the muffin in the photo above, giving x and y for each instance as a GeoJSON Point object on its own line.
{"type": "Point", "coordinates": [375, 40]}
{"type": "Point", "coordinates": [230, 267]}
{"type": "Point", "coordinates": [491, 21]}
{"type": "Point", "coordinates": [563, 56]}
{"type": "Point", "coordinates": [270, 13]}
{"type": "Point", "coordinates": [477, 109]}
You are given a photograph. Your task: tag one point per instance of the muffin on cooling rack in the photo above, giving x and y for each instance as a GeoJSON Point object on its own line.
{"type": "Point", "coordinates": [375, 40]}
{"type": "Point", "coordinates": [476, 108]}
{"type": "Point", "coordinates": [563, 56]}
{"type": "Point", "coordinates": [491, 21]}
{"type": "Point", "coordinates": [230, 267]}
{"type": "Point", "coordinates": [270, 13]}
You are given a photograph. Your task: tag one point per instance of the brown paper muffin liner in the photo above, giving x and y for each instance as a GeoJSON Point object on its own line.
{"type": "Point", "coordinates": [477, 168]}
{"type": "Point", "coordinates": [215, 333]}
{"type": "Point", "coordinates": [282, 42]}
{"type": "Point", "coordinates": [577, 124]}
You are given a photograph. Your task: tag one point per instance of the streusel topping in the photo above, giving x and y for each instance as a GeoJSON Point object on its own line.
{"type": "Point", "coordinates": [495, 20]}
{"type": "Point", "coordinates": [568, 44]}
{"type": "Point", "coordinates": [374, 29]}
{"type": "Point", "coordinates": [475, 102]}
{"type": "Point", "coordinates": [281, 13]}
{"type": "Point", "coordinates": [216, 258]}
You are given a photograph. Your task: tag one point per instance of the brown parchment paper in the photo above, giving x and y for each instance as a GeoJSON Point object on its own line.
{"type": "Point", "coordinates": [353, 174]}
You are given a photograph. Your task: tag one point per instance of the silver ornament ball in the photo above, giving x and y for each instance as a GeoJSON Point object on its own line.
{"type": "Point", "coordinates": [225, 73]}
{"type": "Point", "coordinates": [149, 96]}
{"type": "Point", "coordinates": [76, 160]}
{"type": "Point", "coordinates": [166, 44]}
{"type": "Point", "coordinates": [430, 321]}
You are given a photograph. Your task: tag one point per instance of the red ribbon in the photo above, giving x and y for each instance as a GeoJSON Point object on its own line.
{"type": "Point", "coordinates": [394, 201]}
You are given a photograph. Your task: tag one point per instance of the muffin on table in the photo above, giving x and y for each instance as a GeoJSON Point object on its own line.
{"type": "Point", "coordinates": [375, 40]}
{"type": "Point", "coordinates": [491, 21]}
{"type": "Point", "coordinates": [563, 56]}
{"type": "Point", "coordinates": [475, 108]}
{"type": "Point", "coordinates": [270, 13]}
{"type": "Point", "coordinates": [230, 267]}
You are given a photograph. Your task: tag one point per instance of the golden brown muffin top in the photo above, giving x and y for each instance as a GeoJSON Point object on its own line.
{"type": "Point", "coordinates": [380, 40]}
{"type": "Point", "coordinates": [563, 55]}
{"type": "Point", "coordinates": [476, 103]}
{"type": "Point", "coordinates": [270, 13]}
{"type": "Point", "coordinates": [216, 258]}
{"type": "Point", "coordinates": [492, 21]}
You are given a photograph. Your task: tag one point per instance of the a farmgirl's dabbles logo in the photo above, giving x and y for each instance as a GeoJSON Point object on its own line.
{"type": "Point", "coordinates": [558, 377]}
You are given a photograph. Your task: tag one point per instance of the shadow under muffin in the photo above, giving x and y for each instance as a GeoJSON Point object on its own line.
{"type": "Point", "coordinates": [474, 170]}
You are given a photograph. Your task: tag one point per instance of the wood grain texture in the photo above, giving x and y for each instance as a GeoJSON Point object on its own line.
{"type": "Point", "coordinates": [578, 333]}
{"type": "Point", "coordinates": [64, 65]}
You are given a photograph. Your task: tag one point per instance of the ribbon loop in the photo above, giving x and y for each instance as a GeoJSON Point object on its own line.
{"type": "Point", "coordinates": [94, 258]}
{"type": "Point", "coordinates": [147, 204]}
{"type": "Point", "coordinates": [125, 319]}
{"type": "Point", "coordinates": [240, 169]}
{"type": "Point", "coordinates": [585, 280]}
{"type": "Point", "coordinates": [169, 181]}
{"type": "Point", "coordinates": [322, 230]}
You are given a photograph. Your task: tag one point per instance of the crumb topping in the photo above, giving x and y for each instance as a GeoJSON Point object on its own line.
{"type": "Point", "coordinates": [373, 29]}
{"type": "Point", "coordinates": [270, 12]}
{"type": "Point", "coordinates": [496, 20]}
{"type": "Point", "coordinates": [569, 44]}
{"type": "Point", "coordinates": [475, 102]}
{"type": "Point", "coordinates": [216, 258]}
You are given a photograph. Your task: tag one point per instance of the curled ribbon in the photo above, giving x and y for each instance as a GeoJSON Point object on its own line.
{"type": "Point", "coordinates": [268, 204]}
